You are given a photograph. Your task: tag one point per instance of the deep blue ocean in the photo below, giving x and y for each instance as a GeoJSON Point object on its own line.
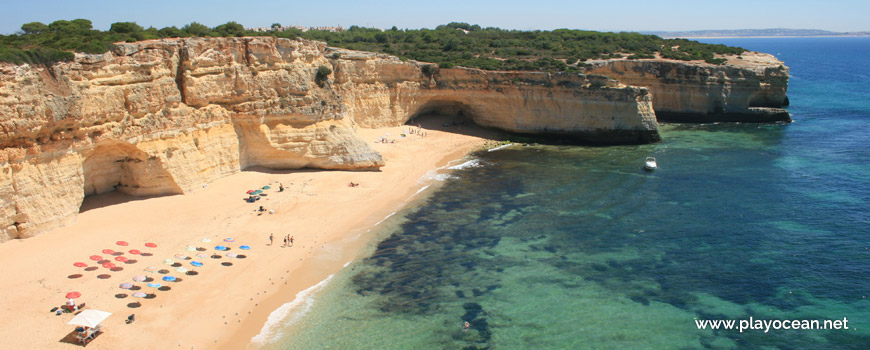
{"type": "Point", "coordinates": [570, 247]}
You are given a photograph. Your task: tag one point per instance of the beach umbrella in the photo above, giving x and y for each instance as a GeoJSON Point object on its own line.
{"type": "Point", "coordinates": [126, 285]}
{"type": "Point", "coordinates": [89, 318]}
{"type": "Point", "coordinates": [121, 259]}
{"type": "Point", "coordinates": [190, 248]}
{"type": "Point", "coordinates": [250, 191]}
{"type": "Point", "coordinates": [139, 278]}
{"type": "Point", "coordinates": [151, 269]}
{"type": "Point", "coordinates": [109, 265]}
{"type": "Point", "coordinates": [135, 252]}
{"type": "Point", "coordinates": [202, 255]}
{"type": "Point", "coordinates": [182, 270]}
{"type": "Point", "coordinates": [245, 247]}
{"type": "Point", "coordinates": [205, 240]}
{"type": "Point", "coordinates": [155, 285]}
{"type": "Point", "coordinates": [108, 251]}
{"type": "Point", "coordinates": [196, 263]}
{"type": "Point", "coordinates": [122, 243]}
{"type": "Point", "coordinates": [96, 257]}
{"type": "Point", "coordinates": [140, 295]}
{"type": "Point", "coordinates": [169, 278]}
{"type": "Point", "coordinates": [168, 261]}
{"type": "Point", "coordinates": [181, 256]}
{"type": "Point", "coordinates": [220, 247]}
{"type": "Point", "coordinates": [150, 245]}
{"type": "Point", "coordinates": [229, 239]}
{"type": "Point", "coordinates": [80, 264]}
{"type": "Point", "coordinates": [73, 295]}
{"type": "Point", "coordinates": [266, 187]}
{"type": "Point", "coordinates": [231, 255]}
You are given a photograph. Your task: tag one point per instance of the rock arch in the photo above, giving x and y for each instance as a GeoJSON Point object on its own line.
{"type": "Point", "coordinates": [122, 167]}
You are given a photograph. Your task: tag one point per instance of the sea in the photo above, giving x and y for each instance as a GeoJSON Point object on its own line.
{"type": "Point", "coordinates": [574, 247]}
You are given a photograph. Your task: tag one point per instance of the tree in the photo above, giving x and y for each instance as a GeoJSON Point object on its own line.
{"type": "Point", "coordinates": [170, 32]}
{"type": "Point", "coordinates": [63, 27]}
{"type": "Point", "coordinates": [83, 24]}
{"type": "Point", "coordinates": [34, 27]}
{"type": "Point", "coordinates": [125, 27]}
{"type": "Point", "coordinates": [276, 26]}
{"type": "Point", "coordinates": [230, 29]}
{"type": "Point", "coordinates": [196, 29]}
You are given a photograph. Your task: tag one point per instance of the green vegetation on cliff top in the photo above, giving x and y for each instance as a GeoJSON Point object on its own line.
{"type": "Point", "coordinates": [454, 44]}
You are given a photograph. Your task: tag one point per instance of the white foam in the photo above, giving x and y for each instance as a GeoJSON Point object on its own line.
{"type": "Point", "coordinates": [421, 190]}
{"type": "Point", "coordinates": [291, 311]}
{"type": "Point", "coordinates": [347, 263]}
{"type": "Point", "coordinates": [474, 163]}
{"type": "Point", "coordinates": [385, 218]}
{"type": "Point", "coordinates": [499, 147]}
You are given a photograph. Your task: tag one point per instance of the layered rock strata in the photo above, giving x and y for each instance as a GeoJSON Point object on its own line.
{"type": "Point", "coordinates": [748, 88]}
{"type": "Point", "coordinates": [167, 116]}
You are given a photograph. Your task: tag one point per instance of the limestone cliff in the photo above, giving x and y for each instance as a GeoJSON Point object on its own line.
{"type": "Point", "coordinates": [167, 116]}
{"type": "Point", "coordinates": [751, 88]}
{"type": "Point", "coordinates": [384, 91]}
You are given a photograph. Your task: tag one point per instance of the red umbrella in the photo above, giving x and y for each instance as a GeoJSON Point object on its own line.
{"type": "Point", "coordinates": [121, 259]}
{"type": "Point", "coordinates": [109, 265]}
{"type": "Point", "coordinates": [249, 191]}
{"type": "Point", "coordinates": [135, 252]}
{"type": "Point", "coordinates": [122, 243]}
{"type": "Point", "coordinates": [108, 251]}
{"type": "Point", "coordinates": [80, 264]}
{"type": "Point", "coordinates": [73, 295]}
{"type": "Point", "coordinates": [96, 257]}
{"type": "Point", "coordinates": [150, 245]}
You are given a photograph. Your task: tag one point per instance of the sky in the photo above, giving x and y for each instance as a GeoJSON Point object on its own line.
{"type": "Point", "coordinates": [601, 15]}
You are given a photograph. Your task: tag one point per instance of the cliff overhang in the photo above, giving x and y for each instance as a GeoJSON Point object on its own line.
{"type": "Point", "coordinates": [168, 116]}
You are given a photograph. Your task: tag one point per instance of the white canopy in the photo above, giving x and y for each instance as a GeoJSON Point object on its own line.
{"type": "Point", "coordinates": [89, 318]}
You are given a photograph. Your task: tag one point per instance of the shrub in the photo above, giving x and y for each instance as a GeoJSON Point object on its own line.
{"type": "Point", "coordinates": [323, 72]}
{"type": "Point", "coordinates": [429, 69]}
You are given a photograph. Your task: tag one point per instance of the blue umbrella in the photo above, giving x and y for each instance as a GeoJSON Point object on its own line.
{"type": "Point", "coordinates": [169, 278]}
{"type": "Point", "coordinates": [155, 285]}
{"type": "Point", "coordinates": [220, 247]}
{"type": "Point", "coordinates": [245, 247]}
{"type": "Point", "coordinates": [196, 263]}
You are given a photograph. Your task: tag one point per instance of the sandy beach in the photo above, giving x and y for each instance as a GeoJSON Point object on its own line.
{"type": "Point", "coordinates": [221, 306]}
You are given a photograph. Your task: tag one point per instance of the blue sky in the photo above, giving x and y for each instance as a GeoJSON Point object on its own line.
{"type": "Point", "coordinates": [604, 15]}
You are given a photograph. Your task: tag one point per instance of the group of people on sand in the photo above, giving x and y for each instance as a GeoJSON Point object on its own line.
{"type": "Point", "coordinates": [288, 240]}
{"type": "Point", "coordinates": [418, 131]}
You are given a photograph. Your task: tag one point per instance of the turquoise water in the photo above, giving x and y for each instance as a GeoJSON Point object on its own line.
{"type": "Point", "coordinates": [557, 247]}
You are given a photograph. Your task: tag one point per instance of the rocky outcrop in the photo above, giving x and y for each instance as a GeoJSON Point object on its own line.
{"type": "Point", "coordinates": [167, 116]}
{"type": "Point", "coordinates": [384, 91]}
{"type": "Point", "coordinates": [751, 88]}
{"type": "Point", "coordinates": [163, 117]}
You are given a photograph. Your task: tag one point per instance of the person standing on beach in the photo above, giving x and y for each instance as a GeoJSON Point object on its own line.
{"type": "Point", "coordinates": [291, 241]}
{"type": "Point", "coordinates": [271, 238]}
{"type": "Point", "coordinates": [285, 241]}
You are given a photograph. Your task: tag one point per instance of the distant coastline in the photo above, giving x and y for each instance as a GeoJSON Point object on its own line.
{"type": "Point", "coordinates": [756, 33]}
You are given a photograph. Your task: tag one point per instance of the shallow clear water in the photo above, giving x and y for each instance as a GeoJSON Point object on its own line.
{"type": "Point", "coordinates": [549, 247]}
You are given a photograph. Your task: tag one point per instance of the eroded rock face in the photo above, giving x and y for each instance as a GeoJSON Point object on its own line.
{"type": "Point", "coordinates": [163, 117]}
{"type": "Point", "coordinates": [167, 116]}
{"type": "Point", "coordinates": [384, 91]}
{"type": "Point", "coordinates": [751, 88]}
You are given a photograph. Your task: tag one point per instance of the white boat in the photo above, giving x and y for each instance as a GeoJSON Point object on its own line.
{"type": "Point", "coordinates": [650, 163]}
